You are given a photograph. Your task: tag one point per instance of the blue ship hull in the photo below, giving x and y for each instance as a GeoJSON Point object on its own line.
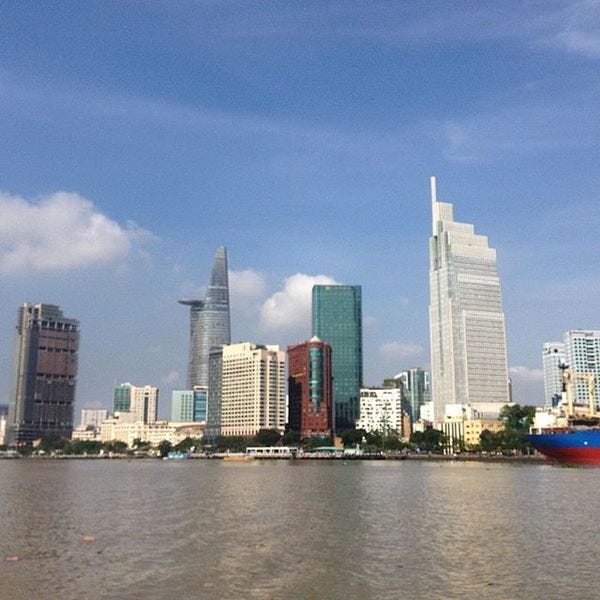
{"type": "Point", "coordinates": [577, 447]}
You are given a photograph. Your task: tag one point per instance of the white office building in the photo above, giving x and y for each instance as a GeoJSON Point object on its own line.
{"type": "Point", "coordinates": [252, 389]}
{"type": "Point", "coordinates": [467, 331]}
{"type": "Point", "coordinates": [92, 417]}
{"type": "Point", "coordinates": [380, 410]}
{"type": "Point", "coordinates": [553, 357]}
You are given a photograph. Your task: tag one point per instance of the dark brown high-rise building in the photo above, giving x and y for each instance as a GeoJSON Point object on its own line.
{"type": "Point", "coordinates": [310, 389]}
{"type": "Point", "coordinates": [45, 371]}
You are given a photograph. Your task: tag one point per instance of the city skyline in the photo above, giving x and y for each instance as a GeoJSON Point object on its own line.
{"type": "Point", "coordinates": [302, 140]}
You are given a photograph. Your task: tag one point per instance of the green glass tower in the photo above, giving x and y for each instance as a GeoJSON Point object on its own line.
{"type": "Point", "coordinates": [337, 320]}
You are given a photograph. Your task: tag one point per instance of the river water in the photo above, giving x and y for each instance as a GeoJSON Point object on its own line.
{"type": "Point", "coordinates": [296, 530]}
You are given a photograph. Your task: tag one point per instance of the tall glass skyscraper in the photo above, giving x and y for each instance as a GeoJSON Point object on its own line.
{"type": "Point", "coordinates": [466, 320]}
{"type": "Point", "coordinates": [45, 372]}
{"type": "Point", "coordinates": [209, 321]}
{"type": "Point", "coordinates": [337, 321]}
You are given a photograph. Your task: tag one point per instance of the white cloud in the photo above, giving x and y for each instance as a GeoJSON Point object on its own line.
{"type": "Point", "coordinates": [526, 374]}
{"type": "Point", "coordinates": [397, 351]}
{"type": "Point", "coordinates": [247, 284]}
{"type": "Point", "coordinates": [61, 231]}
{"type": "Point", "coordinates": [171, 377]}
{"type": "Point", "coordinates": [290, 308]}
{"type": "Point", "coordinates": [580, 42]}
{"type": "Point", "coordinates": [369, 321]}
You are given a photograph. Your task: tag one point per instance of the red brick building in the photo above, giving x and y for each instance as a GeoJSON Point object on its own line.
{"type": "Point", "coordinates": [310, 389]}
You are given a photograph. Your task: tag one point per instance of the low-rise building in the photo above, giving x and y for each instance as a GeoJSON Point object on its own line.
{"type": "Point", "coordinates": [463, 424]}
{"type": "Point", "coordinates": [126, 431]}
{"type": "Point", "coordinates": [380, 410]}
{"type": "Point", "coordinates": [86, 434]}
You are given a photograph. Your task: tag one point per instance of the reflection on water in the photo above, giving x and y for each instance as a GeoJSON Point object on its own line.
{"type": "Point", "coordinates": [297, 530]}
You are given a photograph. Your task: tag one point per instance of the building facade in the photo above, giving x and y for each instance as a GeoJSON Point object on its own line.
{"type": "Point", "coordinates": [154, 433]}
{"type": "Point", "coordinates": [189, 405]}
{"type": "Point", "coordinates": [252, 390]}
{"type": "Point", "coordinates": [337, 320]}
{"type": "Point", "coordinates": [92, 417]}
{"type": "Point", "coordinates": [136, 403]}
{"type": "Point", "coordinates": [416, 386]}
{"type": "Point", "coordinates": [44, 373]}
{"type": "Point", "coordinates": [213, 401]}
{"type": "Point", "coordinates": [381, 410]}
{"type": "Point", "coordinates": [553, 357]}
{"type": "Point", "coordinates": [310, 392]}
{"type": "Point", "coordinates": [209, 321]}
{"type": "Point", "coordinates": [463, 425]}
{"type": "Point", "coordinates": [582, 353]}
{"type": "Point", "coordinates": [3, 422]}
{"type": "Point", "coordinates": [466, 320]}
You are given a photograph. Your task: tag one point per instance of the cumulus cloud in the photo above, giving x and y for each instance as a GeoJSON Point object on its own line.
{"type": "Point", "coordinates": [60, 231]}
{"type": "Point", "coordinates": [247, 284]}
{"type": "Point", "coordinates": [290, 307]}
{"type": "Point", "coordinates": [527, 374]}
{"type": "Point", "coordinates": [397, 351]}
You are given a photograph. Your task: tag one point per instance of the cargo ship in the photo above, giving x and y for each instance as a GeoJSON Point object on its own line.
{"type": "Point", "coordinates": [570, 434]}
{"type": "Point", "coordinates": [579, 447]}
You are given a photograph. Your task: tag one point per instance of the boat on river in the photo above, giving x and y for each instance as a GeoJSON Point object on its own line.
{"type": "Point", "coordinates": [579, 447]}
{"type": "Point", "coordinates": [570, 433]}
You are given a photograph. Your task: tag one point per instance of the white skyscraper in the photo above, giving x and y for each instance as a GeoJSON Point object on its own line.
{"type": "Point", "coordinates": [251, 390]}
{"type": "Point", "coordinates": [466, 320]}
{"type": "Point", "coordinates": [582, 351]}
{"type": "Point", "coordinates": [553, 358]}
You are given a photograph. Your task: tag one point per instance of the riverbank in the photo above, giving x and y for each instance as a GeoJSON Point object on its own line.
{"type": "Point", "coordinates": [525, 459]}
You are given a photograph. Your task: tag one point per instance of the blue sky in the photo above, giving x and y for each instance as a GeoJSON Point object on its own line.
{"type": "Point", "coordinates": [301, 135]}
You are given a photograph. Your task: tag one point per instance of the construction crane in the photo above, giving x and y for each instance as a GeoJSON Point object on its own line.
{"type": "Point", "coordinates": [570, 378]}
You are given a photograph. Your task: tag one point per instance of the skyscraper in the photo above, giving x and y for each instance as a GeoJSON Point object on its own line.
{"type": "Point", "coordinates": [416, 389]}
{"type": "Point", "coordinates": [209, 321]}
{"type": "Point", "coordinates": [44, 373]}
{"type": "Point", "coordinates": [553, 357]}
{"type": "Point", "coordinates": [247, 390]}
{"type": "Point", "coordinates": [466, 320]}
{"type": "Point", "coordinates": [582, 351]}
{"type": "Point", "coordinates": [136, 403]}
{"type": "Point", "coordinates": [310, 388]}
{"type": "Point", "coordinates": [337, 320]}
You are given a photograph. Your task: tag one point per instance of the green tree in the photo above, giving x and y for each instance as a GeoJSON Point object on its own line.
{"type": "Point", "coordinates": [187, 444]}
{"type": "Point", "coordinates": [310, 443]}
{"type": "Point", "coordinates": [517, 417]}
{"type": "Point", "coordinates": [489, 441]}
{"type": "Point", "coordinates": [430, 440]}
{"type": "Point", "coordinates": [351, 437]}
{"type": "Point", "coordinates": [266, 437]}
{"type": "Point", "coordinates": [291, 438]}
{"type": "Point", "coordinates": [138, 444]}
{"type": "Point", "coordinates": [116, 446]}
{"type": "Point", "coordinates": [233, 443]}
{"type": "Point", "coordinates": [52, 442]}
{"type": "Point", "coordinates": [165, 447]}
